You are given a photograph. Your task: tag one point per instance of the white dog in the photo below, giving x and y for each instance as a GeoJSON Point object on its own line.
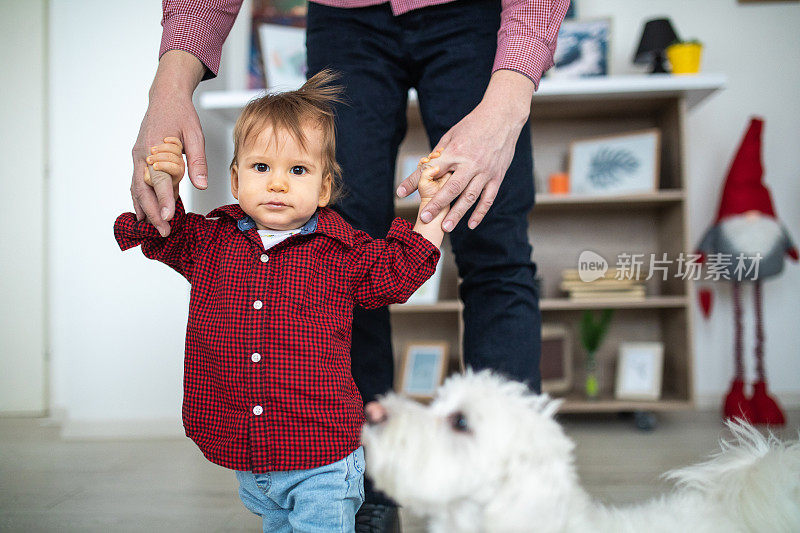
{"type": "Point", "coordinates": [487, 456]}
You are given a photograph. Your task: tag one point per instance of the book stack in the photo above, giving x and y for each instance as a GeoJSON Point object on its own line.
{"type": "Point", "coordinates": [628, 287]}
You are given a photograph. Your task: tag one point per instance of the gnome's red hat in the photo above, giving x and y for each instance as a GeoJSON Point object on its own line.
{"type": "Point", "coordinates": [744, 188]}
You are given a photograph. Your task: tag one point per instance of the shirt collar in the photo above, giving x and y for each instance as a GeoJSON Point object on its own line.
{"type": "Point", "coordinates": [324, 221]}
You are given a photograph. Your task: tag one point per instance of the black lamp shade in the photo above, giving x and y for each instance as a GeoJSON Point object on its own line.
{"type": "Point", "coordinates": [657, 35]}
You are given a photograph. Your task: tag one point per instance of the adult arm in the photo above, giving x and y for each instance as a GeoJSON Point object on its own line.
{"type": "Point", "coordinates": [479, 148]}
{"type": "Point", "coordinates": [191, 47]}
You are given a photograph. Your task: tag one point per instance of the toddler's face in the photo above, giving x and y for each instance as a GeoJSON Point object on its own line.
{"type": "Point", "coordinates": [280, 185]}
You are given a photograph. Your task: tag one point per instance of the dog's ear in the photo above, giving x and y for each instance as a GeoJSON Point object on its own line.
{"type": "Point", "coordinates": [545, 405]}
{"type": "Point", "coordinates": [552, 406]}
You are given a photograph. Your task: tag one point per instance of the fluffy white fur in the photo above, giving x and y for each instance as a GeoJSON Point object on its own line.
{"type": "Point", "coordinates": [509, 467]}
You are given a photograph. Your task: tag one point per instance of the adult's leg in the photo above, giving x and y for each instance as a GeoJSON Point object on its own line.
{"type": "Point", "coordinates": [502, 321]}
{"type": "Point", "coordinates": [363, 44]}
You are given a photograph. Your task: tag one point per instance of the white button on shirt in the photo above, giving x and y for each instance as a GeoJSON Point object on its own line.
{"type": "Point", "coordinates": [257, 410]}
{"type": "Point", "coordinates": [258, 304]}
{"type": "Point", "coordinates": [256, 357]}
{"type": "Point", "coordinates": [264, 258]}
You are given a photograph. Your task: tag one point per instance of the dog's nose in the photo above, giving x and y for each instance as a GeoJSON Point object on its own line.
{"type": "Point", "coordinates": [375, 413]}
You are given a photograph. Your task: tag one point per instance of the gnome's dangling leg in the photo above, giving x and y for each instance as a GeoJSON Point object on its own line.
{"type": "Point", "coordinates": [765, 409]}
{"type": "Point", "coordinates": [737, 405]}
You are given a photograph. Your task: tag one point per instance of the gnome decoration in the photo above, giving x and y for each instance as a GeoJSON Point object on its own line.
{"type": "Point", "coordinates": [747, 244]}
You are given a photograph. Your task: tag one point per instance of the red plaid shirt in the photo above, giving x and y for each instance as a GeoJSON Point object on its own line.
{"type": "Point", "coordinates": [267, 383]}
{"type": "Point", "coordinates": [526, 40]}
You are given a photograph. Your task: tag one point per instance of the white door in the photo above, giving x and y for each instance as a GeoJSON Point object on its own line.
{"type": "Point", "coordinates": [22, 224]}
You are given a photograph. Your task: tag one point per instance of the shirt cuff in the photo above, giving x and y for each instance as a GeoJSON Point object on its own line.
{"type": "Point", "coordinates": [130, 232]}
{"type": "Point", "coordinates": [420, 249]}
{"type": "Point", "coordinates": [527, 55]}
{"type": "Point", "coordinates": [194, 35]}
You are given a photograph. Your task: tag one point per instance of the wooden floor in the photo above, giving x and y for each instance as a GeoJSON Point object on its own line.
{"type": "Point", "coordinates": [48, 484]}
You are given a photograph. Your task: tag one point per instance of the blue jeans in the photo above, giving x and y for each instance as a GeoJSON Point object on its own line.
{"type": "Point", "coordinates": [446, 52]}
{"type": "Point", "coordinates": [318, 500]}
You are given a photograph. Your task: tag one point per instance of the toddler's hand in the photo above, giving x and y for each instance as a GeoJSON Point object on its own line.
{"type": "Point", "coordinates": [166, 158]}
{"type": "Point", "coordinates": [429, 183]}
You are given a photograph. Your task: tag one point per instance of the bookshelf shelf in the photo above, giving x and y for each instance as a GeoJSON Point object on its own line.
{"type": "Point", "coordinates": [444, 306]}
{"type": "Point", "coordinates": [577, 404]}
{"type": "Point", "coordinates": [549, 202]}
{"type": "Point", "coordinates": [651, 302]}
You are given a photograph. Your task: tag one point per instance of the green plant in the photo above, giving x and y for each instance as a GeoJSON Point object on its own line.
{"type": "Point", "coordinates": [592, 332]}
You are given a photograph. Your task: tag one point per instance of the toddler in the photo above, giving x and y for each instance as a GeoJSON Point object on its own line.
{"type": "Point", "coordinates": [274, 279]}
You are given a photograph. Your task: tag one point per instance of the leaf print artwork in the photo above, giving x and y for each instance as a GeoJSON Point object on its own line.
{"type": "Point", "coordinates": [609, 166]}
{"type": "Point", "coordinates": [627, 163]}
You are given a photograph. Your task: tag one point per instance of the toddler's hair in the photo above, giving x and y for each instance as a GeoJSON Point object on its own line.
{"type": "Point", "coordinates": [290, 111]}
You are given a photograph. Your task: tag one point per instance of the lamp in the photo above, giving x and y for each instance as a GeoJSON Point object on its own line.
{"type": "Point", "coordinates": [656, 36]}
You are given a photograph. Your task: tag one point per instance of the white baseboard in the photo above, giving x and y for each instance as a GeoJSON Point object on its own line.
{"type": "Point", "coordinates": [787, 400]}
{"type": "Point", "coordinates": [121, 429]}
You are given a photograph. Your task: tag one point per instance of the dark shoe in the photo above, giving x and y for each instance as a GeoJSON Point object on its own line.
{"type": "Point", "coordinates": [377, 518]}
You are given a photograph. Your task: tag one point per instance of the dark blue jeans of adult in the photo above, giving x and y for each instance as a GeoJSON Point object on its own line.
{"type": "Point", "coordinates": [446, 52]}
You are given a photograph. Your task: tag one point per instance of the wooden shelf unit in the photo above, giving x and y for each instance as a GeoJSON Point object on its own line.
{"type": "Point", "coordinates": [561, 226]}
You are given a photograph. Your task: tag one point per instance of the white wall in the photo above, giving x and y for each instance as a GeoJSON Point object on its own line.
{"type": "Point", "coordinates": [757, 47]}
{"type": "Point", "coordinates": [22, 175]}
{"type": "Point", "coordinates": [118, 319]}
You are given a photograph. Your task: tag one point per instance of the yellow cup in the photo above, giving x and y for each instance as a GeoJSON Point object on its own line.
{"type": "Point", "coordinates": [685, 57]}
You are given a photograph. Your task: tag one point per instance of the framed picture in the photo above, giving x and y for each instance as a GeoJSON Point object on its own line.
{"type": "Point", "coordinates": [583, 49]}
{"type": "Point", "coordinates": [556, 361]}
{"type": "Point", "coordinates": [283, 49]}
{"type": "Point", "coordinates": [428, 293]}
{"type": "Point", "coordinates": [639, 371]}
{"type": "Point", "coordinates": [422, 370]}
{"type": "Point", "coordinates": [280, 12]}
{"type": "Point", "coordinates": [616, 164]}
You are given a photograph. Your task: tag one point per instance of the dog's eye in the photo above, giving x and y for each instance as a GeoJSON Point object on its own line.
{"type": "Point", "coordinates": [459, 422]}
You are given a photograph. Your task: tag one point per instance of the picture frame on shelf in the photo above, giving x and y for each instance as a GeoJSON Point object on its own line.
{"type": "Point", "coordinates": [556, 359]}
{"type": "Point", "coordinates": [583, 49]}
{"type": "Point", "coordinates": [283, 51]}
{"type": "Point", "coordinates": [616, 164]}
{"type": "Point", "coordinates": [280, 12]}
{"type": "Point", "coordinates": [428, 293]}
{"type": "Point", "coordinates": [422, 369]}
{"type": "Point", "coordinates": [640, 369]}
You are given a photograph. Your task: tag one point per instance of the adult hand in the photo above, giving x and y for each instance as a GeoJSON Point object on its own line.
{"type": "Point", "coordinates": [170, 113]}
{"type": "Point", "coordinates": [478, 151]}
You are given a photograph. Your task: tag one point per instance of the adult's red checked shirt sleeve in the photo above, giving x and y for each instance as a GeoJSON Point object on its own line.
{"type": "Point", "coordinates": [198, 27]}
{"type": "Point", "coordinates": [526, 41]}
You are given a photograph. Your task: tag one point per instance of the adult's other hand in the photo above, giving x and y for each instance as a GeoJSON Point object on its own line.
{"type": "Point", "coordinates": [170, 113]}
{"type": "Point", "coordinates": [478, 151]}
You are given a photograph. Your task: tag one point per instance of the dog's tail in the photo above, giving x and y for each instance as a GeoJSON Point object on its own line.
{"type": "Point", "coordinates": [755, 478]}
